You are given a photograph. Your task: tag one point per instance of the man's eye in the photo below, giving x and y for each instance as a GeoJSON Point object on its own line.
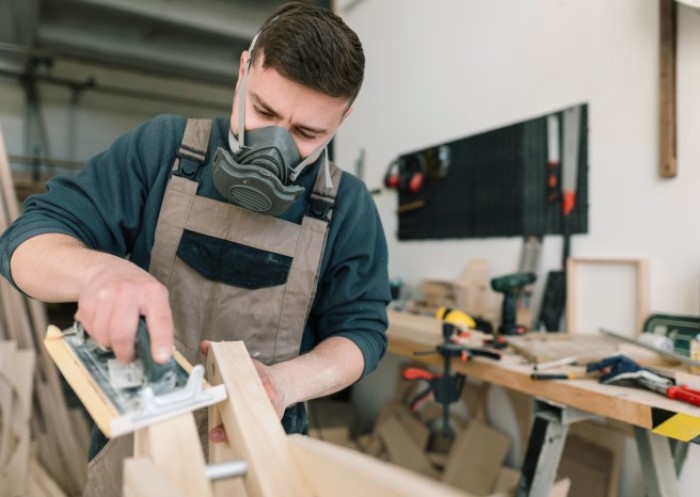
{"type": "Point", "coordinates": [263, 112]}
{"type": "Point", "coordinates": [305, 135]}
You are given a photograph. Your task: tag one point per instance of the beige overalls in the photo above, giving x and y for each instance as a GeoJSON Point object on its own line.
{"type": "Point", "coordinates": [232, 274]}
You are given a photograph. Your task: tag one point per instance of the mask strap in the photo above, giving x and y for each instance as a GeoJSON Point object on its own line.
{"type": "Point", "coordinates": [240, 143]}
{"type": "Point", "coordinates": [313, 156]}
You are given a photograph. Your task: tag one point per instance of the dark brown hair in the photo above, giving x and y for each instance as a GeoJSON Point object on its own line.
{"type": "Point", "coordinates": [312, 46]}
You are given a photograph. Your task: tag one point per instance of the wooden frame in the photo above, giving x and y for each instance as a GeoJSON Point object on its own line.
{"type": "Point", "coordinates": [641, 297]}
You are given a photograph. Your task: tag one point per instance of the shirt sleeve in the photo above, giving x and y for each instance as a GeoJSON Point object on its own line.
{"type": "Point", "coordinates": [353, 290]}
{"type": "Point", "coordinates": [101, 205]}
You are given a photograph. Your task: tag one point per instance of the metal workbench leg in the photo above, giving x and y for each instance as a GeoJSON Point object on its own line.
{"type": "Point", "coordinates": [657, 464]}
{"type": "Point", "coordinates": [544, 449]}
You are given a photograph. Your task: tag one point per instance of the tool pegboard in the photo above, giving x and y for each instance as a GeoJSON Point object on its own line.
{"type": "Point", "coordinates": [504, 182]}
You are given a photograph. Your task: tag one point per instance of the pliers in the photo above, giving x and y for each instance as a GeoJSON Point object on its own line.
{"type": "Point", "coordinates": [621, 370]}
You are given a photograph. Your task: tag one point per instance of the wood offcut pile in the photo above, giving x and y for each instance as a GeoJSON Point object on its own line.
{"type": "Point", "coordinates": [474, 461]}
{"type": "Point", "coordinates": [43, 443]}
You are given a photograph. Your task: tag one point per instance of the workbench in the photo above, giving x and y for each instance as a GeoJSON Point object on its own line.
{"type": "Point", "coordinates": [558, 403]}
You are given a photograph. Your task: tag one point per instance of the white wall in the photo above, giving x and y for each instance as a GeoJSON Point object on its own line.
{"type": "Point", "coordinates": [437, 71]}
{"type": "Point", "coordinates": [442, 70]}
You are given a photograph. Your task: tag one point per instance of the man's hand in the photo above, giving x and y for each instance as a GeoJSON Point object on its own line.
{"type": "Point", "coordinates": [111, 302]}
{"type": "Point", "coordinates": [266, 374]}
{"type": "Point", "coordinates": [112, 293]}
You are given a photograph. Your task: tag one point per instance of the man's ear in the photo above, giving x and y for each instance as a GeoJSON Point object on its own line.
{"type": "Point", "coordinates": [347, 114]}
{"type": "Point", "coordinates": [241, 67]}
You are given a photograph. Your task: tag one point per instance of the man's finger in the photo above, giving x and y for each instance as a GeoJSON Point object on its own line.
{"type": "Point", "coordinates": [161, 329]}
{"type": "Point", "coordinates": [218, 434]}
{"type": "Point", "coordinates": [204, 346]}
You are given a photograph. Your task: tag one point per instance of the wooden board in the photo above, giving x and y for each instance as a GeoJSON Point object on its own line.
{"type": "Point", "coordinates": [254, 430]}
{"type": "Point", "coordinates": [101, 408]}
{"type": "Point", "coordinates": [165, 443]}
{"type": "Point", "coordinates": [16, 371]}
{"type": "Point", "coordinates": [142, 478]}
{"type": "Point", "coordinates": [334, 471]}
{"type": "Point", "coordinates": [543, 347]}
{"type": "Point", "coordinates": [476, 471]}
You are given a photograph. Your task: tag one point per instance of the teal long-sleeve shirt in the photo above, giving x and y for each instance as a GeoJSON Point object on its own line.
{"type": "Point", "coordinates": [113, 203]}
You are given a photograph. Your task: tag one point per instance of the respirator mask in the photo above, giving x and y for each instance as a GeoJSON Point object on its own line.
{"type": "Point", "coordinates": [258, 172]}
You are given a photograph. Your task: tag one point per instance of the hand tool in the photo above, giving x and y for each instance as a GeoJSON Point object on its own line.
{"type": "Point", "coordinates": [621, 370]}
{"type": "Point", "coordinates": [511, 286]}
{"type": "Point", "coordinates": [564, 361]}
{"type": "Point", "coordinates": [446, 387]}
{"type": "Point", "coordinates": [124, 397]}
{"type": "Point", "coordinates": [568, 375]}
{"type": "Point", "coordinates": [553, 159]}
{"type": "Point", "coordinates": [664, 353]}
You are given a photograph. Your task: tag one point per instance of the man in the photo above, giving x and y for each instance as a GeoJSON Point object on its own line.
{"type": "Point", "coordinates": [226, 230]}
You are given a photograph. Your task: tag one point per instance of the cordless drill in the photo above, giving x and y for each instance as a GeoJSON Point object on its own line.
{"type": "Point", "coordinates": [511, 286]}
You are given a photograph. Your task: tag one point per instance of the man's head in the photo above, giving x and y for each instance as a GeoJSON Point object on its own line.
{"type": "Point", "coordinates": [313, 47]}
{"type": "Point", "coordinates": [304, 72]}
{"type": "Point", "coordinates": [294, 89]}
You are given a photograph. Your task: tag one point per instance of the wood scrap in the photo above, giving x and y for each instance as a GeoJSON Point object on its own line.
{"type": "Point", "coordinates": [403, 450]}
{"type": "Point", "coordinates": [476, 471]}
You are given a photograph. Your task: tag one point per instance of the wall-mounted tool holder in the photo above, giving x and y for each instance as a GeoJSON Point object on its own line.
{"type": "Point", "coordinates": [493, 184]}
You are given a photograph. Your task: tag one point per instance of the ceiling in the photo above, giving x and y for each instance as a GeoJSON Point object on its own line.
{"type": "Point", "coordinates": [192, 39]}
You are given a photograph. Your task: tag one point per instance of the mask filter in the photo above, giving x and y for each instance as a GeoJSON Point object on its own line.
{"type": "Point", "coordinates": [256, 176]}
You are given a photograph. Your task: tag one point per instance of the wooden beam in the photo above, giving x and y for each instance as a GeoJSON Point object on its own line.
{"type": "Point", "coordinates": [332, 470]}
{"type": "Point", "coordinates": [174, 449]}
{"type": "Point", "coordinates": [668, 165]}
{"type": "Point", "coordinates": [253, 428]}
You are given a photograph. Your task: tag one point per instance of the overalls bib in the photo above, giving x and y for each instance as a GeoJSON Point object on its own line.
{"type": "Point", "coordinates": [231, 273]}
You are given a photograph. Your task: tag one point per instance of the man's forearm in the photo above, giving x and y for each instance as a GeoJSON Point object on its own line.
{"type": "Point", "coordinates": [54, 267]}
{"type": "Point", "coordinates": [334, 364]}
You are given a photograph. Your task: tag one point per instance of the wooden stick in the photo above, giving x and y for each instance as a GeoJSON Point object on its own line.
{"type": "Point", "coordinates": [668, 165]}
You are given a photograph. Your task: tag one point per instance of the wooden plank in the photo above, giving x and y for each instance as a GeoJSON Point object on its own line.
{"type": "Point", "coordinates": [332, 470]}
{"type": "Point", "coordinates": [101, 408]}
{"type": "Point", "coordinates": [43, 481]}
{"type": "Point", "coordinates": [142, 478]}
{"type": "Point", "coordinates": [476, 471]}
{"type": "Point", "coordinates": [253, 428]}
{"type": "Point", "coordinates": [94, 400]}
{"type": "Point", "coordinates": [668, 160]}
{"type": "Point", "coordinates": [403, 449]}
{"type": "Point", "coordinates": [174, 449]}
{"type": "Point", "coordinates": [73, 458]}
{"type": "Point", "coordinates": [16, 370]}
